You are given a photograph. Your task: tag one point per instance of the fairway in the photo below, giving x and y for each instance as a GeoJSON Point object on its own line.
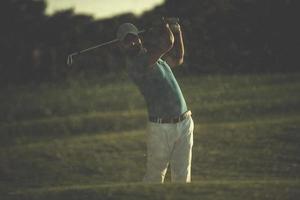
{"type": "Point", "coordinates": [86, 140]}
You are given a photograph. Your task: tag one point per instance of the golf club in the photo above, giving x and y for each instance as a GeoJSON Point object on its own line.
{"type": "Point", "coordinates": [70, 56]}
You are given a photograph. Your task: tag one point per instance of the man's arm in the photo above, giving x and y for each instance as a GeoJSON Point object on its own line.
{"type": "Point", "coordinates": [176, 55]}
{"type": "Point", "coordinates": [166, 42]}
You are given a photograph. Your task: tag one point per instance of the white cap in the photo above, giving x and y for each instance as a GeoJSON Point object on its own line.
{"type": "Point", "coordinates": [125, 29]}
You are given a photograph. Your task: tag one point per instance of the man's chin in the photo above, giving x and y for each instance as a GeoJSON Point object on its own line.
{"type": "Point", "coordinates": [134, 52]}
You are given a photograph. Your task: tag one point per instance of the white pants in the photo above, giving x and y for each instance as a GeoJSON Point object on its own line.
{"type": "Point", "coordinates": [169, 143]}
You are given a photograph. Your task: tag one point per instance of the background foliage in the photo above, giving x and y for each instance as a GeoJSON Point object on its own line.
{"type": "Point", "coordinates": [221, 36]}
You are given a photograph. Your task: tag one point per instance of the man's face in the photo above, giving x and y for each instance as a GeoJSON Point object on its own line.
{"type": "Point", "coordinates": [132, 44]}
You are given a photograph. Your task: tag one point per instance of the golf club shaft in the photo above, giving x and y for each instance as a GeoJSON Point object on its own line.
{"type": "Point", "coordinates": [94, 47]}
{"type": "Point", "coordinates": [97, 46]}
{"type": "Point", "coordinates": [70, 56]}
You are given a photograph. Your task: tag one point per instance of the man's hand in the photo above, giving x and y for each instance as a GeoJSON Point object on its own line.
{"type": "Point", "coordinates": [173, 24]}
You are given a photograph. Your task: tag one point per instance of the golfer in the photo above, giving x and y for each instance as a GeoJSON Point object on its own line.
{"type": "Point", "coordinates": [170, 126]}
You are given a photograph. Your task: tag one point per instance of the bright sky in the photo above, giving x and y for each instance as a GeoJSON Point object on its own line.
{"type": "Point", "coordinates": [103, 8]}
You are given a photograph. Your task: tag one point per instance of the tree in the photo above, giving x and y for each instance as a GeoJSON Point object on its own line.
{"type": "Point", "coordinates": [19, 35]}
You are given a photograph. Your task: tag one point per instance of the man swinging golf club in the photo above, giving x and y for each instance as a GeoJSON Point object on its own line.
{"type": "Point", "coordinates": [170, 127]}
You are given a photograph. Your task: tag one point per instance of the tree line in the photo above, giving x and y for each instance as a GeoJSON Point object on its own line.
{"type": "Point", "coordinates": [221, 36]}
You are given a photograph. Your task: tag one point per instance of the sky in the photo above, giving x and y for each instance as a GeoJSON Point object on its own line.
{"type": "Point", "coordinates": [103, 8]}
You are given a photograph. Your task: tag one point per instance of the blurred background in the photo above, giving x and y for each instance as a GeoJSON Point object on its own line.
{"type": "Point", "coordinates": [79, 132]}
{"type": "Point", "coordinates": [221, 36]}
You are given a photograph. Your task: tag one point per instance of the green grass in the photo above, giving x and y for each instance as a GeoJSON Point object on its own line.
{"type": "Point", "coordinates": [207, 190]}
{"type": "Point", "coordinates": [86, 140]}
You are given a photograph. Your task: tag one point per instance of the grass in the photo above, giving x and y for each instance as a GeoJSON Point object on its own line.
{"type": "Point", "coordinates": [197, 190]}
{"type": "Point", "coordinates": [86, 140]}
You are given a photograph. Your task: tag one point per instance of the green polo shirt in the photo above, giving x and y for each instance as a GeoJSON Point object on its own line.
{"type": "Point", "coordinates": [159, 87]}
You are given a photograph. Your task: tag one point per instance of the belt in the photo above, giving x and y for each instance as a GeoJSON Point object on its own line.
{"type": "Point", "coordinates": [171, 120]}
